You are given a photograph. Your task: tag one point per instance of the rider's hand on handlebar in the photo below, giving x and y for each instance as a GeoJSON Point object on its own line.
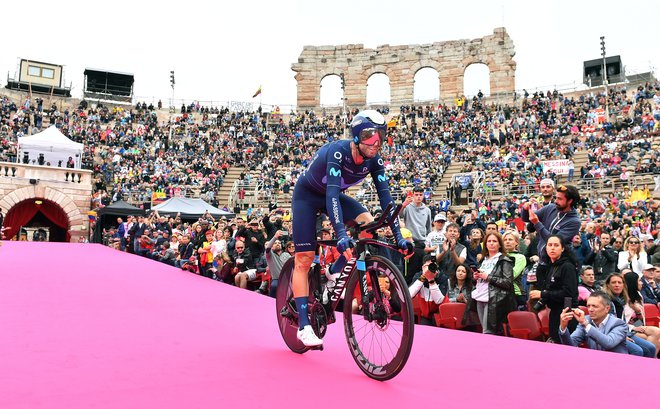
{"type": "Point", "coordinates": [406, 246]}
{"type": "Point", "coordinates": [344, 246]}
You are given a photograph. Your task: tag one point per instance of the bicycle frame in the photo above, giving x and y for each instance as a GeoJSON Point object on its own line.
{"type": "Point", "coordinates": [357, 265]}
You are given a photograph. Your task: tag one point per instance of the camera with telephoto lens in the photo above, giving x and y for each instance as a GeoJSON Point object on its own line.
{"type": "Point", "coordinates": [433, 267]}
{"type": "Point", "coordinates": [540, 304]}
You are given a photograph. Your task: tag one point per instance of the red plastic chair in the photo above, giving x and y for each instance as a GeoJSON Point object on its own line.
{"type": "Point", "coordinates": [544, 319]}
{"type": "Point", "coordinates": [417, 309]}
{"type": "Point", "coordinates": [524, 325]}
{"type": "Point", "coordinates": [450, 315]}
{"type": "Point", "coordinates": [652, 315]}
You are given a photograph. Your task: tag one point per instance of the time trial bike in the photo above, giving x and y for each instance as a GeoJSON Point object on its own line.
{"type": "Point", "coordinates": [377, 308]}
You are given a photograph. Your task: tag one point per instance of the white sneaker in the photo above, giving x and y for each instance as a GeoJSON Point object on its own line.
{"type": "Point", "coordinates": [308, 337]}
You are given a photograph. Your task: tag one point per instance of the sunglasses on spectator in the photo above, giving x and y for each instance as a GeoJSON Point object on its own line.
{"type": "Point", "coordinates": [633, 242]}
{"type": "Point", "coordinates": [239, 248]}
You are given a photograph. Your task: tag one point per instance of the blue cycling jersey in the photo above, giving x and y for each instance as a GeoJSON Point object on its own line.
{"type": "Point", "coordinates": [333, 170]}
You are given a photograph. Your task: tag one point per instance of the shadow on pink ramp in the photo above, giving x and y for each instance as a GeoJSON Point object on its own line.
{"type": "Point", "coordinates": [85, 326]}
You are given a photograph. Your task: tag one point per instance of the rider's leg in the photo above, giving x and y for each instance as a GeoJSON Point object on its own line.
{"type": "Point", "coordinates": [300, 286]}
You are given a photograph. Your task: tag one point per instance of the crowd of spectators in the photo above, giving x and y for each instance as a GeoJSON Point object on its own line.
{"type": "Point", "coordinates": [134, 151]}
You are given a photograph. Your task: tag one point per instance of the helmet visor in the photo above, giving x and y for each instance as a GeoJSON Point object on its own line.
{"type": "Point", "coordinates": [372, 136]}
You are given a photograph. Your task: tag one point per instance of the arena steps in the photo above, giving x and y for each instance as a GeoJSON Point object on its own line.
{"type": "Point", "coordinates": [233, 174]}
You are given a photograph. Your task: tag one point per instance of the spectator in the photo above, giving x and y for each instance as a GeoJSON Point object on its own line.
{"type": "Point", "coordinates": [603, 257]}
{"type": "Point", "coordinates": [559, 218]}
{"type": "Point", "coordinates": [633, 257]}
{"type": "Point", "coordinates": [453, 253]}
{"type": "Point", "coordinates": [275, 257]}
{"type": "Point", "coordinates": [461, 284]}
{"type": "Point", "coordinates": [493, 296]}
{"type": "Point", "coordinates": [561, 283]}
{"type": "Point", "coordinates": [600, 330]}
{"type": "Point", "coordinates": [650, 290]}
{"type": "Point", "coordinates": [245, 266]}
{"type": "Point", "coordinates": [588, 284]}
{"type": "Point", "coordinates": [511, 241]}
{"type": "Point", "coordinates": [615, 287]}
{"type": "Point", "coordinates": [417, 219]}
{"type": "Point", "coordinates": [436, 238]}
{"type": "Point", "coordinates": [633, 315]}
{"type": "Point", "coordinates": [426, 284]}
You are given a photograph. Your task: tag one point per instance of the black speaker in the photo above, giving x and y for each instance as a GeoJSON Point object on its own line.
{"type": "Point", "coordinates": [33, 181]}
{"type": "Point", "coordinates": [593, 71]}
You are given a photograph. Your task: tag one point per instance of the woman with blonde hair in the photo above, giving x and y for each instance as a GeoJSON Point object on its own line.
{"type": "Point", "coordinates": [633, 257]}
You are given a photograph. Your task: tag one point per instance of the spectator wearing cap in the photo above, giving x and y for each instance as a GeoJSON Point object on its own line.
{"type": "Point", "coordinates": [436, 238]}
{"type": "Point", "coordinates": [417, 219]}
{"type": "Point", "coordinates": [547, 187]}
{"type": "Point", "coordinates": [205, 254]}
{"type": "Point", "coordinates": [650, 289]}
{"type": "Point", "coordinates": [255, 237]}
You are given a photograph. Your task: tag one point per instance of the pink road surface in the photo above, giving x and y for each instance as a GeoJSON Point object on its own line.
{"type": "Point", "coordinates": [84, 326]}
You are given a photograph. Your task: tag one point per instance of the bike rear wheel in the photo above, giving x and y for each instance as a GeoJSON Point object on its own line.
{"type": "Point", "coordinates": [287, 316]}
{"type": "Point", "coordinates": [380, 346]}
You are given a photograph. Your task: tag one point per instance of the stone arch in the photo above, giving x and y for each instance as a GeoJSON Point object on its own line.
{"type": "Point", "coordinates": [400, 63]}
{"type": "Point", "coordinates": [476, 77]}
{"type": "Point", "coordinates": [435, 95]}
{"type": "Point", "coordinates": [383, 97]}
{"type": "Point", "coordinates": [69, 207]}
{"type": "Point", "coordinates": [331, 93]}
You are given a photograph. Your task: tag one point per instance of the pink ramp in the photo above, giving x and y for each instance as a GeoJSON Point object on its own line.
{"type": "Point", "coordinates": [84, 326]}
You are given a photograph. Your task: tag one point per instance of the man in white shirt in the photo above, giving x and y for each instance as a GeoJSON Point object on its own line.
{"type": "Point", "coordinates": [436, 238]}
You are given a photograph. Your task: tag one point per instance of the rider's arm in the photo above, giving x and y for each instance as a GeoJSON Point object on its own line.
{"type": "Point", "coordinates": [382, 188]}
{"type": "Point", "coordinates": [333, 174]}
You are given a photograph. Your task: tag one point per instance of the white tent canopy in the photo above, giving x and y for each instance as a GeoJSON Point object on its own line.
{"type": "Point", "coordinates": [189, 208]}
{"type": "Point", "coordinates": [53, 145]}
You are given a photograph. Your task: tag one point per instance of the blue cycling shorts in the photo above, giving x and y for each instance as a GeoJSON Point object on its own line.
{"type": "Point", "coordinates": [304, 206]}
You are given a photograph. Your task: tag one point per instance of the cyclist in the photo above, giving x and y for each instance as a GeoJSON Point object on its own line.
{"type": "Point", "coordinates": [335, 167]}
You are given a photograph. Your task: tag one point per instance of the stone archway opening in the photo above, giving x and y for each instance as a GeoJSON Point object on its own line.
{"type": "Point", "coordinates": [331, 94]}
{"type": "Point", "coordinates": [427, 85]}
{"type": "Point", "coordinates": [476, 78]}
{"type": "Point", "coordinates": [37, 219]}
{"type": "Point", "coordinates": [378, 89]}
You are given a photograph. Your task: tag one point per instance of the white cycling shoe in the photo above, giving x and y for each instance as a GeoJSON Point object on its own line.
{"type": "Point", "coordinates": [308, 337]}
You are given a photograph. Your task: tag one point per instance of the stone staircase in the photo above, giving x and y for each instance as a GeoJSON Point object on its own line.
{"type": "Point", "coordinates": [223, 194]}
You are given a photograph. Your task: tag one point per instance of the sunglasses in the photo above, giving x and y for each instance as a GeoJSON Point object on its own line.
{"type": "Point", "coordinates": [372, 136]}
{"type": "Point", "coordinates": [633, 242]}
{"type": "Point", "coordinates": [562, 188]}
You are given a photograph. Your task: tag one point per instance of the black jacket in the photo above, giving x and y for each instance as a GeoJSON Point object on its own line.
{"type": "Point", "coordinates": [561, 282]}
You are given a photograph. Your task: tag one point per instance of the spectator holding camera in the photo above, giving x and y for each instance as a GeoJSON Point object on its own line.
{"type": "Point", "coordinates": [560, 285]}
{"type": "Point", "coordinates": [427, 283]}
{"type": "Point", "coordinates": [493, 295]}
{"type": "Point", "coordinates": [560, 219]}
{"type": "Point", "coordinates": [600, 330]}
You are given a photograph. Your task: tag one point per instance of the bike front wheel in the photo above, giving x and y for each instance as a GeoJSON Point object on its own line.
{"type": "Point", "coordinates": [381, 342]}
